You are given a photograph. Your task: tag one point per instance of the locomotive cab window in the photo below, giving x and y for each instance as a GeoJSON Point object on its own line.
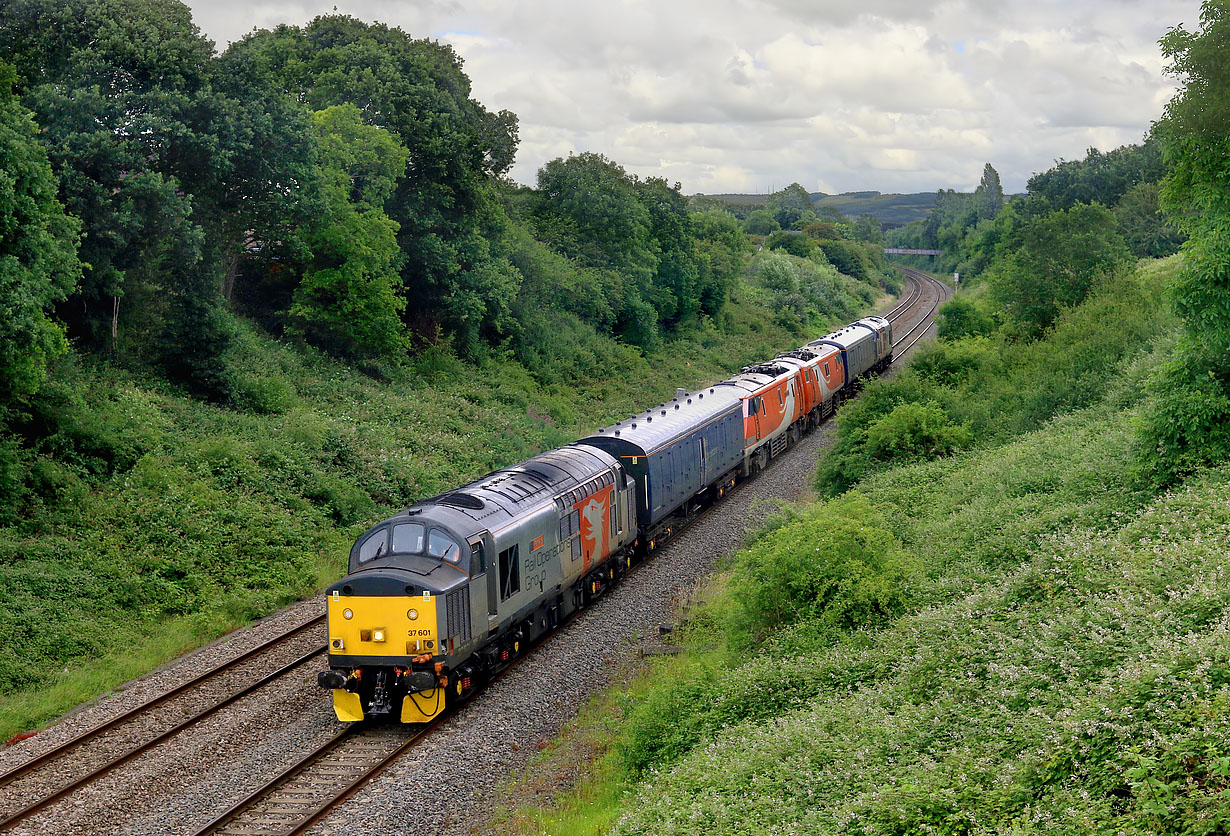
{"type": "Point", "coordinates": [440, 545]}
{"type": "Point", "coordinates": [478, 558]}
{"type": "Point", "coordinates": [408, 538]}
{"type": "Point", "coordinates": [374, 546]}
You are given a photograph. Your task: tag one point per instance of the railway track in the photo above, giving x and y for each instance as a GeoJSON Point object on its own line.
{"type": "Point", "coordinates": [920, 328]}
{"type": "Point", "coordinates": [290, 803]}
{"type": "Point", "coordinates": [312, 787]}
{"type": "Point", "coordinates": [38, 783]}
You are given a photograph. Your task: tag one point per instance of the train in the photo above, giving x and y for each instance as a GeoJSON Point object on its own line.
{"type": "Point", "coordinates": [444, 595]}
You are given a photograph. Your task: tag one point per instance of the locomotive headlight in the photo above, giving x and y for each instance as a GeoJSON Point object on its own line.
{"type": "Point", "coordinates": [377, 635]}
{"type": "Point", "coordinates": [348, 613]}
{"type": "Point", "coordinates": [412, 614]}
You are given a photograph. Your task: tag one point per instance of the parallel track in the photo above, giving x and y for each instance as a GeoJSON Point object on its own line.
{"type": "Point", "coordinates": [307, 791]}
{"type": "Point", "coordinates": [925, 322]}
{"type": "Point", "coordinates": [59, 757]}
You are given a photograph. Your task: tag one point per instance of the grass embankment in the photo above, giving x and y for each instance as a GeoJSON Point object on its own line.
{"type": "Point", "coordinates": [1021, 638]}
{"type": "Point", "coordinates": [156, 522]}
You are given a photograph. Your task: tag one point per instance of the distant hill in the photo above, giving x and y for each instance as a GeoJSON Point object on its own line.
{"type": "Point", "coordinates": [889, 209]}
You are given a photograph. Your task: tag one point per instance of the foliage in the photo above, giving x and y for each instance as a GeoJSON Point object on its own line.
{"type": "Point", "coordinates": [349, 299]}
{"type": "Point", "coordinates": [808, 293]}
{"type": "Point", "coordinates": [794, 243]}
{"type": "Point", "coordinates": [791, 207]}
{"type": "Point", "coordinates": [1102, 177]}
{"type": "Point", "coordinates": [996, 386]}
{"type": "Point", "coordinates": [1051, 262]}
{"type": "Point", "coordinates": [443, 201]}
{"type": "Point", "coordinates": [1146, 230]}
{"type": "Point", "coordinates": [1188, 428]}
{"type": "Point", "coordinates": [38, 252]}
{"type": "Point", "coordinates": [760, 222]}
{"type": "Point", "coordinates": [165, 170]}
{"type": "Point", "coordinates": [961, 317]}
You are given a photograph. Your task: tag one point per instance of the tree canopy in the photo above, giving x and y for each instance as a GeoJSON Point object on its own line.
{"type": "Point", "coordinates": [1190, 427]}
{"type": "Point", "coordinates": [38, 251]}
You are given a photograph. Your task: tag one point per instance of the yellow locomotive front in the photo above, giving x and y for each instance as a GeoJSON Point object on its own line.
{"type": "Point", "coordinates": [389, 646]}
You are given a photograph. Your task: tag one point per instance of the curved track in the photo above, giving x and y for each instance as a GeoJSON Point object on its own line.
{"type": "Point", "coordinates": [315, 784]}
{"type": "Point", "coordinates": [293, 801]}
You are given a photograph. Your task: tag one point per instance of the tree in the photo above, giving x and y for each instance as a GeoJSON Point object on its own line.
{"type": "Point", "coordinates": [867, 229]}
{"type": "Point", "coordinates": [1147, 231]}
{"type": "Point", "coordinates": [795, 243]}
{"type": "Point", "coordinates": [760, 222]}
{"type": "Point", "coordinates": [444, 203]}
{"type": "Point", "coordinates": [959, 318]}
{"type": "Point", "coordinates": [349, 300]}
{"type": "Point", "coordinates": [38, 251]}
{"type": "Point", "coordinates": [1050, 263]}
{"type": "Point", "coordinates": [166, 172]}
{"type": "Point", "coordinates": [720, 246]}
{"type": "Point", "coordinates": [1102, 177]}
{"type": "Point", "coordinates": [1190, 426]}
{"type": "Point", "coordinates": [990, 194]}
{"type": "Point", "coordinates": [791, 207]}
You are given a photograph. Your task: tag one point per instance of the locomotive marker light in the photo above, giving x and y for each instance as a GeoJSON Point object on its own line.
{"type": "Point", "coordinates": [412, 614]}
{"type": "Point", "coordinates": [348, 613]}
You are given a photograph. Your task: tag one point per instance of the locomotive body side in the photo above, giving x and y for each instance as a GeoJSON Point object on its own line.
{"type": "Point", "coordinates": [446, 593]}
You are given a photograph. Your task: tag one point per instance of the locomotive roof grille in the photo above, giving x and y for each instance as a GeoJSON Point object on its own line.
{"type": "Point", "coordinates": [461, 500]}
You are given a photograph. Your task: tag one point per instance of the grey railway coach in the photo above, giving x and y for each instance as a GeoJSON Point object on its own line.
{"type": "Point", "coordinates": [676, 450]}
{"type": "Point", "coordinates": [865, 345]}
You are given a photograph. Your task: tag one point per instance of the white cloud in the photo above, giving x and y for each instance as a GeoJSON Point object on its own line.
{"type": "Point", "coordinates": [748, 95]}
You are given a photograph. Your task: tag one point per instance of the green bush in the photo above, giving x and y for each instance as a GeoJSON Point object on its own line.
{"type": "Point", "coordinates": [916, 431]}
{"type": "Point", "coordinates": [960, 317]}
{"type": "Point", "coordinates": [836, 568]}
{"type": "Point", "coordinates": [265, 395]}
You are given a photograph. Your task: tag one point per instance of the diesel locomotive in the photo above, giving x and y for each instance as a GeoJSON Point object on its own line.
{"type": "Point", "coordinates": [448, 592]}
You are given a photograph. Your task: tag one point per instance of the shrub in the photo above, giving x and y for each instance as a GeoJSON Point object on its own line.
{"type": "Point", "coordinates": [837, 568]}
{"type": "Point", "coordinates": [960, 317]}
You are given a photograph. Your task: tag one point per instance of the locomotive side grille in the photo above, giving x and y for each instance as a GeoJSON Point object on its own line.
{"type": "Point", "coordinates": [457, 614]}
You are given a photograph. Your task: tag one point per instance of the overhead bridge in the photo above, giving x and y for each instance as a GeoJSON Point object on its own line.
{"type": "Point", "coordinates": [903, 251]}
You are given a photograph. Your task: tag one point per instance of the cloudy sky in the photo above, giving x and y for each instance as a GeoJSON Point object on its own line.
{"type": "Point", "coordinates": [750, 95]}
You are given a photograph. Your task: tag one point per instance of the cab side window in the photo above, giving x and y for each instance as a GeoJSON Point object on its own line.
{"type": "Point", "coordinates": [374, 546]}
{"type": "Point", "coordinates": [510, 573]}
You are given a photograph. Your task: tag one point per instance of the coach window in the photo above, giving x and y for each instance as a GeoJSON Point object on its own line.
{"type": "Point", "coordinates": [440, 545]}
{"type": "Point", "coordinates": [510, 573]}
{"type": "Point", "coordinates": [408, 538]}
{"type": "Point", "coordinates": [374, 546]}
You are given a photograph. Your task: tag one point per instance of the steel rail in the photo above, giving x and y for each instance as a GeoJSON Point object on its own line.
{"type": "Point", "coordinates": [927, 318]}
{"type": "Point", "coordinates": [899, 309]}
{"type": "Point", "coordinates": [114, 763]}
{"type": "Point", "coordinates": [85, 737]}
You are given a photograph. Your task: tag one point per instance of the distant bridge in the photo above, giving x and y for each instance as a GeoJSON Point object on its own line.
{"type": "Point", "coordinates": [903, 251]}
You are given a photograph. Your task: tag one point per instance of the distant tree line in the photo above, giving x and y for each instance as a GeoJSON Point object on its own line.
{"type": "Point", "coordinates": [1042, 252]}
